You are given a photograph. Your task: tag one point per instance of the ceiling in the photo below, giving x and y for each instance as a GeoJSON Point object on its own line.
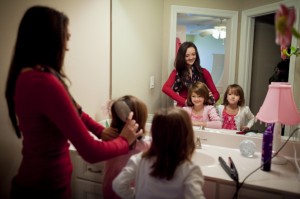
{"type": "Point", "coordinates": [195, 22]}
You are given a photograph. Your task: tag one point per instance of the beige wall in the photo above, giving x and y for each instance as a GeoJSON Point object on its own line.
{"type": "Point", "coordinates": [87, 65]}
{"type": "Point", "coordinates": [137, 49]}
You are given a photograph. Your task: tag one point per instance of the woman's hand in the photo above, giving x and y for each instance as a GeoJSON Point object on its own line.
{"type": "Point", "coordinates": [244, 128]}
{"type": "Point", "coordinates": [129, 132]}
{"type": "Point", "coordinates": [109, 134]}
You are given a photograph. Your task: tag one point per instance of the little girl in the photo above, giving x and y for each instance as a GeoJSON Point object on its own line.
{"type": "Point", "coordinates": [166, 169]}
{"type": "Point", "coordinates": [235, 115]}
{"type": "Point", "coordinates": [201, 113]}
{"type": "Point", "coordinates": [114, 166]}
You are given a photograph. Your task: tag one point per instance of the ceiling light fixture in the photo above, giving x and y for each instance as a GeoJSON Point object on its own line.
{"type": "Point", "coordinates": [219, 32]}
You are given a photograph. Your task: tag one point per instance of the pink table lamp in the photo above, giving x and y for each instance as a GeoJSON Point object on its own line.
{"type": "Point", "coordinates": [279, 107]}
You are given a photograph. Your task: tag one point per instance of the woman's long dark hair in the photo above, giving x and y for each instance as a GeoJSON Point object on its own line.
{"type": "Point", "coordinates": [172, 141]}
{"type": "Point", "coordinates": [41, 40]}
{"type": "Point", "coordinates": [180, 63]}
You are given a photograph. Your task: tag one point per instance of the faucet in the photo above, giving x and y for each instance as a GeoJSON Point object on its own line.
{"type": "Point", "coordinates": [198, 143]}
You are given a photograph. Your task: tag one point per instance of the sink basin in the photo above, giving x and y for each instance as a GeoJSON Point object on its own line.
{"type": "Point", "coordinates": [203, 159]}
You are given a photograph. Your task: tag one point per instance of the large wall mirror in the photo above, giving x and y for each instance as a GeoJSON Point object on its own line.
{"type": "Point", "coordinates": [144, 46]}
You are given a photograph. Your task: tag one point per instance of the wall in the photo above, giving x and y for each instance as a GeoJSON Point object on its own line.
{"type": "Point", "coordinates": [87, 65]}
{"type": "Point", "coordinates": [137, 49]}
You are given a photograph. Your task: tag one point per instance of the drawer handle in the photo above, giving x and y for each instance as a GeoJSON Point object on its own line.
{"type": "Point", "coordinates": [94, 171]}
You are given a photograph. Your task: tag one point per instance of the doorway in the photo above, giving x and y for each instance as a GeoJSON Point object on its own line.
{"type": "Point", "coordinates": [266, 55]}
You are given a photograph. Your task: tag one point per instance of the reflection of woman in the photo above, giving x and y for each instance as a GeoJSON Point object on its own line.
{"type": "Point", "coordinates": [43, 111]}
{"type": "Point", "coordinates": [188, 71]}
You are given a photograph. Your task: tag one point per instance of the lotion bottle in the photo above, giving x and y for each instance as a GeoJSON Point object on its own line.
{"type": "Point", "coordinates": [266, 154]}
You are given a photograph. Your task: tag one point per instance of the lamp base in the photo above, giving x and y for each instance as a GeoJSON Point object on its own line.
{"type": "Point", "coordinates": [279, 160]}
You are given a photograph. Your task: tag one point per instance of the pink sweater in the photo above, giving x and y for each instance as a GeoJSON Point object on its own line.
{"type": "Point", "coordinates": [210, 116]}
{"type": "Point", "coordinates": [48, 120]}
{"type": "Point", "coordinates": [114, 166]}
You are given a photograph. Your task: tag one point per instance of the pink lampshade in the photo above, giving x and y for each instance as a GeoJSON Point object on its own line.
{"type": "Point", "coordinates": [279, 105]}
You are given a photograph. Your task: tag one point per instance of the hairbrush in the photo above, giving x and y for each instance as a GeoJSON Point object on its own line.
{"type": "Point", "coordinates": [122, 110]}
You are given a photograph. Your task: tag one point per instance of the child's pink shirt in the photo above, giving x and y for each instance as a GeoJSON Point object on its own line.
{"type": "Point", "coordinates": [113, 167]}
{"type": "Point", "coordinates": [209, 115]}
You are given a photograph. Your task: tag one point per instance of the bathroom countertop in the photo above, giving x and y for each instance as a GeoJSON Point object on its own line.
{"type": "Point", "coordinates": [225, 143]}
{"type": "Point", "coordinates": [281, 178]}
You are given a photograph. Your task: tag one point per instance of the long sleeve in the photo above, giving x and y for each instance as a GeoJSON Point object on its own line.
{"type": "Point", "coordinates": [214, 120]}
{"type": "Point", "coordinates": [93, 126]}
{"type": "Point", "coordinates": [210, 84]}
{"type": "Point", "coordinates": [167, 89]}
{"type": "Point", "coordinates": [246, 117]}
{"type": "Point", "coordinates": [193, 184]}
{"type": "Point", "coordinates": [54, 111]}
{"type": "Point", "coordinates": [122, 183]}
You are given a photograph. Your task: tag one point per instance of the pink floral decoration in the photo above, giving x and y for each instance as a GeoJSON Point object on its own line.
{"type": "Point", "coordinates": [284, 21]}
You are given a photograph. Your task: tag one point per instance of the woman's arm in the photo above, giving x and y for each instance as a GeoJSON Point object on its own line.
{"type": "Point", "coordinates": [54, 102]}
{"type": "Point", "coordinates": [210, 84]}
{"type": "Point", "coordinates": [168, 90]}
{"type": "Point", "coordinates": [93, 126]}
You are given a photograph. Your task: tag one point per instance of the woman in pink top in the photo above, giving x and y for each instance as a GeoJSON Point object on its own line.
{"type": "Point", "coordinates": [45, 115]}
{"type": "Point", "coordinates": [201, 113]}
{"type": "Point", "coordinates": [115, 165]}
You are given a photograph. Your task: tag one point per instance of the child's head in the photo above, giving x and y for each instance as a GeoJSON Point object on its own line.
{"type": "Point", "coordinates": [234, 89]}
{"type": "Point", "coordinates": [199, 89]}
{"type": "Point", "coordinates": [172, 141]}
{"type": "Point", "coordinates": [138, 108]}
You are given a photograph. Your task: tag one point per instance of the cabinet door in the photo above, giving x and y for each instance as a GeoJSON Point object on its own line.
{"type": "Point", "coordinates": [92, 172]}
{"type": "Point", "coordinates": [87, 190]}
{"type": "Point", "coordinates": [227, 191]}
{"type": "Point", "coordinates": [209, 189]}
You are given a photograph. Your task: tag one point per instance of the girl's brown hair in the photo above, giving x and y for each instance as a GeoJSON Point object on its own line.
{"type": "Point", "coordinates": [138, 108]}
{"type": "Point", "coordinates": [200, 89]}
{"type": "Point", "coordinates": [172, 141]}
{"type": "Point", "coordinates": [237, 90]}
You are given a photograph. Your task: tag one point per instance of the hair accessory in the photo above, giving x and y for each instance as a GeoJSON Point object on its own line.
{"type": "Point", "coordinates": [122, 110]}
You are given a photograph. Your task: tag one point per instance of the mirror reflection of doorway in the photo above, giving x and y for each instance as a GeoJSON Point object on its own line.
{"type": "Point", "coordinates": [266, 55]}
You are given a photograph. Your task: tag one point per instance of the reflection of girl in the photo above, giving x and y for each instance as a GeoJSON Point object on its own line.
{"type": "Point", "coordinates": [188, 71]}
{"type": "Point", "coordinates": [200, 112]}
{"type": "Point", "coordinates": [166, 169]}
{"type": "Point", "coordinates": [115, 165]}
{"type": "Point", "coordinates": [235, 115]}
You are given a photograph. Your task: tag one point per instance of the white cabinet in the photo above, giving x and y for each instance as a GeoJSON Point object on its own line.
{"type": "Point", "coordinates": [86, 178]}
{"type": "Point", "coordinates": [217, 189]}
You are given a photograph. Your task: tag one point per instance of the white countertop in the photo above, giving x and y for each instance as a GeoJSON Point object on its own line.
{"type": "Point", "coordinates": [224, 143]}
{"type": "Point", "coordinates": [281, 178]}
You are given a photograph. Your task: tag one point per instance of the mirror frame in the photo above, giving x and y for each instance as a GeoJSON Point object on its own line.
{"type": "Point", "coordinates": [230, 54]}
